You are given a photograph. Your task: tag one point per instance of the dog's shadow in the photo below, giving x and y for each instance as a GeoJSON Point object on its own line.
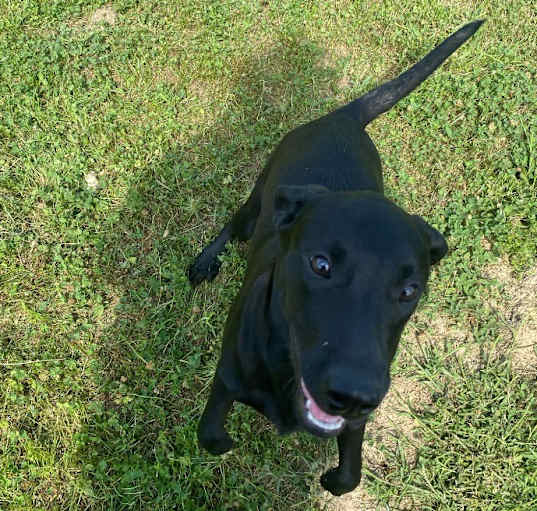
{"type": "Point", "coordinates": [158, 351]}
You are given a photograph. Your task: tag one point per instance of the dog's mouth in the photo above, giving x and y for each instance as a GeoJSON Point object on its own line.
{"type": "Point", "coordinates": [320, 420]}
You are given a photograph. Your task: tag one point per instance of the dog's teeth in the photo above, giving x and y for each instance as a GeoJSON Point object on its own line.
{"type": "Point", "coordinates": [322, 425]}
{"type": "Point", "coordinates": [325, 426]}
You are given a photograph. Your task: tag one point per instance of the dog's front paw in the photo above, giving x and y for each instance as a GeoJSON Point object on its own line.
{"type": "Point", "coordinates": [205, 267]}
{"type": "Point", "coordinates": [338, 483]}
{"type": "Point", "coordinates": [216, 443]}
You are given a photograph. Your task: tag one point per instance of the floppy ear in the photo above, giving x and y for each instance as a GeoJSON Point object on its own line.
{"type": "Point", "coordinates": [437, 243]}
{"type": "Point", "coordinates": [290, 200]}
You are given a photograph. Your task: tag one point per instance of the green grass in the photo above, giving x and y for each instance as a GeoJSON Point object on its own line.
{"type": "Point", "coordinates": [106, 353]}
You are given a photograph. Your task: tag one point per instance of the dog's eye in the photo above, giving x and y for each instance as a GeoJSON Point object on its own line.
{"type": "Point", "coordinates": [321, 265]}
{"type": "Point", "coordinates": [409, 293]}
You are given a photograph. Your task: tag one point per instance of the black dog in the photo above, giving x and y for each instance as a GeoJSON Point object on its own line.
{"type": "Point", "coordinates": [334, 272]}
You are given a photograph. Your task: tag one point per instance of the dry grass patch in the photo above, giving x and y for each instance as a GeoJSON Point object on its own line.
{"type": "Point", "coordinates": [392, 429]}
{"type": "Point", "coordinates": [516, 306]}
{"type": "Point", "coordinates": [442, 332]}
{"type": "Point", "coordinates": [105, 15]}
{"type": "Point", "coordinates": [358, 500]}
{"type": "Point", "coordinates": [334, 53]}
{"type": "Point", "coordinates": [204, 92]}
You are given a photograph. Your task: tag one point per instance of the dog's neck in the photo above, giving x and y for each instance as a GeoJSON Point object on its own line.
{"type": "Point", "coordinates": [277, 349]}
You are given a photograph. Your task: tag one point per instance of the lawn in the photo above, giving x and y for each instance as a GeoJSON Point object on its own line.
{"type": "Point", "coordinates": [131, 131]}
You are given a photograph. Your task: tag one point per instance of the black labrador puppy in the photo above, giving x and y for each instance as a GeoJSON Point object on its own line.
{"type": "Point", "coordinates": [334, 272]}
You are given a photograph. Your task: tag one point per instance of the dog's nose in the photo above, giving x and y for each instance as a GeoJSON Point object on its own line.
{"type": "Point", "coordinates": [343, 402]}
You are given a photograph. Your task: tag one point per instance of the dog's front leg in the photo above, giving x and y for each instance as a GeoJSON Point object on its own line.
{"type": "Point", "coordinates": [346, 476]}
{"type": "Point", "coordinates": [212, 434]}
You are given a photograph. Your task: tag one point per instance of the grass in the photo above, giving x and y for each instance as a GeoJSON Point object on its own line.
{"type": "Point", "coordinates": [131, 131]}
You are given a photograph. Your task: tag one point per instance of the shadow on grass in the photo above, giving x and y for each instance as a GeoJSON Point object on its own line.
{"type": "Point", "coordinates": [157, 354]}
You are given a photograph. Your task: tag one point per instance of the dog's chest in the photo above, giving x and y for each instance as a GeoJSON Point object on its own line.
{"type": "Point", "coordinates": [273, 390]}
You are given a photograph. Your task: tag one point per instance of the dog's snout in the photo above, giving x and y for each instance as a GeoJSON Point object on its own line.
{"type": "Point", "coordinates": [348, 402]}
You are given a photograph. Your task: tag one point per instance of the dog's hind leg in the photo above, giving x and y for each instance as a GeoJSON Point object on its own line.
{"type": "Point", "coordinates": [241, 227]}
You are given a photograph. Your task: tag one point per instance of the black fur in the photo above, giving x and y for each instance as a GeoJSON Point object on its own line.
{"type": "Point", "coordinates": [334, 272]}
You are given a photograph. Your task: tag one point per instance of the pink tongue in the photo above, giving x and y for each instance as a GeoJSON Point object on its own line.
{"type": "Point", "coordinates": [315, 410]}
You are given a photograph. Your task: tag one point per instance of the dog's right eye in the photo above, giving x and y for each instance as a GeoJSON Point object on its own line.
{"type": "Point", "coordinates": [320, 265]}
{"type": "Point", "coordinates": [408, 293]}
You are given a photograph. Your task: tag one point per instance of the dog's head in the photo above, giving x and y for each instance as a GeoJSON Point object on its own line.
{"type": "Point", "coordinates": [351, 270]}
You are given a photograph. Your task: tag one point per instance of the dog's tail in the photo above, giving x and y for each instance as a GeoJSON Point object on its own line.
{"type": "Point", "coordinates": [371, 105]}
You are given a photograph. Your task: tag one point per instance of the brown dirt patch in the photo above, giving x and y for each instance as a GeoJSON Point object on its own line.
{"type": "Point", "coordinates": [441, 327]}
{"type": "Point", "coordinates": [392, 426]}
{"type": "Point", "coordinates": [98, 19]}
{"type": "Point", "coordinates": [203, 91]}
{"type": "Point", "coordinates": [166, 75]}
{"type": "Point", "coordinates": [105, 14]}
{"type": "Point", "coordinates": [352, 70]}
{"type": "Point", "coordinates": [391, 429]}
{"type": "Point", "coordinates": [358, 500]}
{"type": "Point", "coordinates": [334, 54]}
{"type": "Point", "coordinates": [443, 331]}
{"type": "Point", "coordinates": [516, 305]}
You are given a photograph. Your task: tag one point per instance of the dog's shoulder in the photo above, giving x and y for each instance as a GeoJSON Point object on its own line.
{"type": "Point", "coordinates": [247, 329]}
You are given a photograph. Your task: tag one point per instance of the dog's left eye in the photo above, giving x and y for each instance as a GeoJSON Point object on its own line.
{"type": "Point", "coordinates": [320, 265]}
{"type": "Point", "coordinates": [408, 293]}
